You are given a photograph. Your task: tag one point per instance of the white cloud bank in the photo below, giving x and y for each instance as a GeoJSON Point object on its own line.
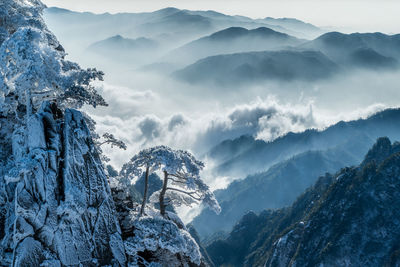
{"type": "Point", "coordinates": [265, 119]}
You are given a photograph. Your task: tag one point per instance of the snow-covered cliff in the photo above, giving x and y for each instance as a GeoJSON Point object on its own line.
{"type": "Point", "coordinates": [56, 204]}
{"type": "Point", "coordinates": [59, 208]}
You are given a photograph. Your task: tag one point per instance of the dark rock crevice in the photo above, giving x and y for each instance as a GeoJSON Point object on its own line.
{"type": "Point", "coordinates": [63, 205]}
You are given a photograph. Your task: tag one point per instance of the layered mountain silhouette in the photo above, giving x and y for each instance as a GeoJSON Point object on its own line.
{"type": "Point", "coordinates": [252, 67]}
{"type": "Point", "coordinates": [207, 47]}
{"type": "Point", "coordinates": [246, 155]}
{"type": "Point", "coordinates": [350, 218]}
{"type": "Point", "coordinates": [232, 40]}
{"type": "Point", "coordinates": [126, 45]}
{"type": "Point", "coordinates": [299, 159]}
{"type": "Point", "coordinates": [295, 25]}
{"type": "Point", "coordinates": [170, 25]}
{"type": "Point", "coordinates": [276, 188]}
{"type": "Point", "coordinates": [124, 50]}
{"type": "Point", "coordinates": [175, 20]}
{"type": "Point", "coordinates": [367, 50]}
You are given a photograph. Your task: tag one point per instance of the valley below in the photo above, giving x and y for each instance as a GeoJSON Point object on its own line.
{"type": "Point", "coordinates": [183, 137]}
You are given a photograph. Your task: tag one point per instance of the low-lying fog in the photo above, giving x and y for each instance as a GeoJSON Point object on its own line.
{"type": "Point", "coordinates": [148, 109]}
{"type": "Point", "coordinates": [148, 105]}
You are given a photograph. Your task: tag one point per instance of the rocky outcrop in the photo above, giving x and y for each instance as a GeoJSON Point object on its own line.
{"type": "Point", "coordinates": [56, 205]}
{"type": "Point", "coordinates": [347, 219]}
{"type": "Point", "coordinates": [382, 149]}
{"type": "Point", "coordinates": [56, 197]}
{"type": "Point", "coordinates": [354, 223]}
{"type": "Point", "coordinates": [161, 241]}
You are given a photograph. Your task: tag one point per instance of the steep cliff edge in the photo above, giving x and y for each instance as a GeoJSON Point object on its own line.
{"type": "Point", "coordinates": [56, 205]}
{"type": "Point", "coordinates": [57, 208]}
{"type": "Point", "coordinates": [55, 196]}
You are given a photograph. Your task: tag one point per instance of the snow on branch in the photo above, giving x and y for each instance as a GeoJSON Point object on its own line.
{"type": "Point", "coordinates": [33, 68]}
{"type": "Point", "coordinates": [111, 140]}
{"type": "Point", "coordinates": [181, 170]}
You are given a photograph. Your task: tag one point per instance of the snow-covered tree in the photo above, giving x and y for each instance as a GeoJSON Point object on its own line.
{"type": "Point", "coordinates": [182, 184]}
{"type": "Point", "coordinates": [112, 141]}
{"type": "Point", "coordinates": [141, 164]}
{"type": "Point", "coordinates": [33, 68]}
{"type": "Point", "coordinates": [106, 139]}
{"type": "Point", "coordinates": [46, 220]}
{"type": "Point", "coordinates": [15, 14]}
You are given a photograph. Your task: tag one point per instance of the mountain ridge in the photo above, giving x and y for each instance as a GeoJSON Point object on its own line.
{"type": "Point", "coordinates": [250, 67]}
{"type": "Point", "coordinates": [324, 225]}
{"type": "Point", "coordinates": [232, 40]}
{"type": "Point", "coordinates": [273, 172]}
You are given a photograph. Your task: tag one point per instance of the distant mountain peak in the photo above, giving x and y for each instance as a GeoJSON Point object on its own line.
{"type": "Point", "coordinates": [299, 24]}
{"type": "Point", "coordinates": [228, 32]}
{"type": "Point", "coordinates": [285, 19]}
{"type": "Point", "coordinates": [235, 32]}
{"type": "Point", "coordinates": [167, 10]}
{"type": "Point", "coordinates": [352, 36]}
{"type": "Point", "coordinates": [116, 37]}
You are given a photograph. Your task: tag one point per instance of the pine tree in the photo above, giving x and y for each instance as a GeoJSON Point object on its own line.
{"type": "Point", "coordinates": [33, 68]}
{"type": "Point", "coordinates": [182, 184]}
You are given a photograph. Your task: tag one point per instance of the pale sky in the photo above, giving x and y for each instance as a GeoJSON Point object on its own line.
{"type": "Point", "coordinates": [354, 15]}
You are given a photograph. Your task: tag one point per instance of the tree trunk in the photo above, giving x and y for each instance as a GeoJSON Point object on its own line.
{"type": "Point", "coordinates": [162, 194]}
{"type": "Point", "coordinates": [146, 187]}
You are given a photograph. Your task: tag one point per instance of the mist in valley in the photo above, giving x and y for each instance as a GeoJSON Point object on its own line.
{"type": "Point", "coordinates": [199, 133]}
{"type": "Point", "coordinates": [194, 79]}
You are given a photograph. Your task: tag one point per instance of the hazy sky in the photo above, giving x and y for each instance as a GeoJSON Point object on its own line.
{"type": "Point", "coordinates": [354, 15]}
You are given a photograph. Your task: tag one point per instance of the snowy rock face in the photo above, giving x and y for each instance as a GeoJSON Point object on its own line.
{"type": "Point", "coordinates": [161, 241]}
{"type": "Point", "coordinates": [154, 240]}
{"type": "Point", "coordinates": [57, 209]}
{"type": "Point", "coordinates": [356, 222]}
{"type": "Point", "coordinates": [56, 204]}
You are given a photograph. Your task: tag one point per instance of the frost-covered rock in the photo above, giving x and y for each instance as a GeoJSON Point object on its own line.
{"type": "Point", "coordinates": [154, 240]}
{"type": "Point", "coordinates": [157, 240]}
{"type": "Point", "coordinates": [57, 198]}
{"type": "Point", "coordinates": [56, 205]}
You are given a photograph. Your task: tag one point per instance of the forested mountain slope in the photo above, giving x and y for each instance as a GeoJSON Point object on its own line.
{"type": "Point", "coordinates": [349, 218]}
{"type": "Point", "coordinates": [303, 158]}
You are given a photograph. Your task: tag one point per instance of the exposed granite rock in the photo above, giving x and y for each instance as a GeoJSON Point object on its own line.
{"type": "Point", "coordinates": [59, 206]}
